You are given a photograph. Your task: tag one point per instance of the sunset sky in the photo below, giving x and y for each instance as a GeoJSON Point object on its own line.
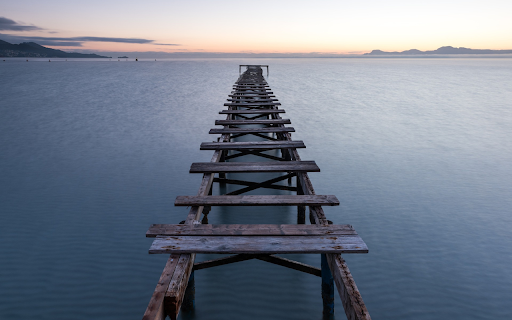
{"type": "Point", "coordinates": [258, 26]}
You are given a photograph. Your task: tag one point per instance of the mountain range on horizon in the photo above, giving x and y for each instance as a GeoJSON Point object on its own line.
{"type": "Point", "coordinates": [441, 50]}
{"type": "Point", "coordinates": [34, 50]}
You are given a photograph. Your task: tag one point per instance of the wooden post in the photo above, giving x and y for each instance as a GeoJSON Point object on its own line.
{"type": "Point", "coordinates": [301, 210]}
{"type": "Point", "coordinates": [189, 300]}
{"type": "Point", "coordinates": [327, 288]}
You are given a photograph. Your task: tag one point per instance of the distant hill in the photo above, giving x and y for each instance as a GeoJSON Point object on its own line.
{"type": "Point", "coordinates": [34, 50]}
{"type": "Point", "coordinates": [442, 50]}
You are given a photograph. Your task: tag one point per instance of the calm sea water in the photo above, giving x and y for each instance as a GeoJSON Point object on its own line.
{"type": "Point", "coordinates": [419, 152]}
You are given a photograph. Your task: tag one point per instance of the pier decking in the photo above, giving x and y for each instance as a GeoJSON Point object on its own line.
{"type": "Point", "coordinates": [252, 103]}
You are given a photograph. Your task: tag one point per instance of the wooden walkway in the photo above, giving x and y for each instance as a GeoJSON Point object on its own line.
{"type": "Point", "coordinates": [252, 103]}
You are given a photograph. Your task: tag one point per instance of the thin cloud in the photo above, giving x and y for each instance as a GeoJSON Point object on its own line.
{"type": "Point", "coordinates": [11, 25]}
{"type": "Point", "coordinates": [167, 44]}
{"type": "Point", "coordinates": [70, 41]}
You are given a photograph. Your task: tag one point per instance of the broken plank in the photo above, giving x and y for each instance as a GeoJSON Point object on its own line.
{"type": "Point", "coordinates": [258, 244]}
{"type": "Point", "coordinates": [258, 200]}
{"type": "Point", "coordinates": [268, 166]}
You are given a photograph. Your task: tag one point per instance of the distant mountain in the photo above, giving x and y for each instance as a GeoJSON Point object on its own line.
{"type": "Point", "coordinates": [34, 50]}
{"type": "Point", "coordinates": [442, 50]}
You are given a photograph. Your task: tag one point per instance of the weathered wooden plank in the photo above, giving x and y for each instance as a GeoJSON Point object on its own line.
{"type": "Point", "coordinates": [250, 104]}
{"type": "Point", "coordinates": [251, 95]}
{"type": "Point", "coordinates": [248, 230]}
{"type": "Point", "coordinates": [155, 309]}
{"type": "Point", "coordinates": [258, 200]}
{"type": "Point", "coordinates": [255, 121]}
{"type": "Point", "coordinates": [269, 166]}
{"type": "Point", "coordinates": [251, 99]}
{"type": "Point", "coordinates": [251, 130]}
{"type": "Point", "coordinates": [251, 85]}
{"type": "Point", "coordinates": [262, 111]}
{"type": "Point", "coordinates": [253, 91]}
{"type": "Point", "coordinates": [252, 145]}
{"type": "Point", "coordinates": [251, 88]}
{"type": "Point", "coordinates": [258, 244]}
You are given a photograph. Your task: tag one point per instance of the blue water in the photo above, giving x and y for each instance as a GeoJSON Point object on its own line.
{"type": "Point", "coordinates": [418, 151]}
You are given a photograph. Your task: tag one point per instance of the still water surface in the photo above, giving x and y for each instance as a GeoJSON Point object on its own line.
{"type": "Point", "coordinates": [418, 151]}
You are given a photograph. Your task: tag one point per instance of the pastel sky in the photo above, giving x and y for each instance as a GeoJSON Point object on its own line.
{"type": "Point", "coordinates": [258, 26]}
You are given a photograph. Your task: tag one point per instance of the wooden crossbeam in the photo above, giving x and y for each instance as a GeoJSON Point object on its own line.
{"type": "Point", "coordinates": [270, 166]}
{"type": "Point", "coordinates": [251, 130]}
{"type": "Point", "coordinates": [265, 111]}
{"type": "Point", "coordinates": [258, 153]}
{"type": "Point", "coordinates": [269, 184]}
{"type": "Point", "coordinates": [222, 230]}
{"type": "Point", "coordinates": [258, 244]}
{"type": "Point", "coordinates": [295, 265]}
{"type": "Point", "coordinates": [223, 261]}
{"type": "Point", "coordinates": [243, 122]}
{"type": "Point", "coordinates": [258, 200]}
{"type": "Point", "coordinates": [266, 145]}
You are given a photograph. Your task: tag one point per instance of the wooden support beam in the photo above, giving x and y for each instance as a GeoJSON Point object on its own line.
{"type": "Point", "coordinates": [256, 185]}
{"type": "Point", "coordinates": [266, 184]}
{"type": "Point", "coordinates": [258, 200]}
{"type": "Point", "coordinates": [176, 289]}
{"type": "Point", "coordinates": [155, 309]}
{"type": "Point", "coordinates": [295, 265]}
{"type": "Point", "coordinates": [223, 261]}
{"type": "Point", "coordinates": [258, 153]}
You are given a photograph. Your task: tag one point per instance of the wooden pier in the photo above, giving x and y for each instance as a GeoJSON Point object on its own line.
{"type": "Point", "coordinates": [252, 103]}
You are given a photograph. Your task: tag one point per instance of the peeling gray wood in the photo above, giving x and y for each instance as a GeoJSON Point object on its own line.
{"type": "Point", "coordinates": [269, 166]}
{"type": "Point", "coordinates": [263, 111]}
{"type": "Point", "coordinates": [258, 200]}
{"type": "Point", "coordinates": [255, 121]}
{"type": "Point", "coordinates": [258, 244]}
{"type": "Point", "coordinates": [221, 230]}
{"type": "Point", "coordinates": [251, 130]}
